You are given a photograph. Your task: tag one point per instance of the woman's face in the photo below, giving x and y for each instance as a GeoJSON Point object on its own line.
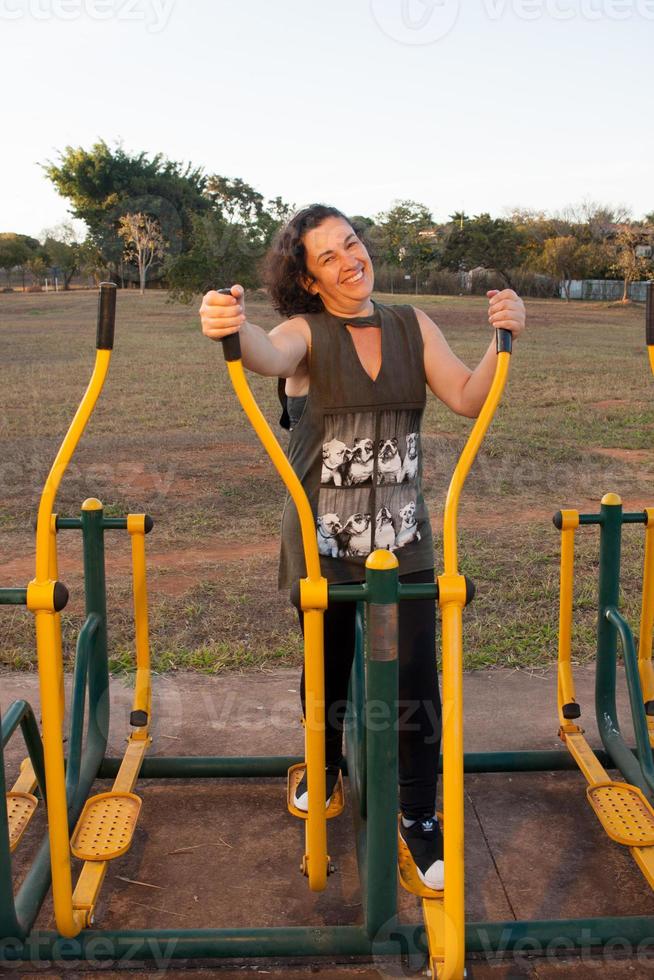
{"type": "Point", "coordinates": [339, 267]}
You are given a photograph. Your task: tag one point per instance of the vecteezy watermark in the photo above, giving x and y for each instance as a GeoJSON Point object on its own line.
{"type": "Point", "coordinates": [589, 10]}
{"type": "Point", "coordinates": [153, 14]}
{"type": "Point", "coordinates": [415, 21]}
{"type": "Point", "coordinates": [420, 22]}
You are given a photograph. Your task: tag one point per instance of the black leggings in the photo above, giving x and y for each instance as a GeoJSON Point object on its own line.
{"type": "Point", "coordinates": [419, 706]}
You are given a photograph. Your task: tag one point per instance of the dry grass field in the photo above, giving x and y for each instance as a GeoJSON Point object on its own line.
{"type": "Point", "coordinates": [168, 437]}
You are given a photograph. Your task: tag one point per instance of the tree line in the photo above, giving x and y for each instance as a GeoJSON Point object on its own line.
{"type": "Point", "coordinates": [152, 219]}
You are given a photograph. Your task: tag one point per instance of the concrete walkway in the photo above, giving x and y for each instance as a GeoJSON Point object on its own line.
{"type": "Point", "coordinates": [225, 853]}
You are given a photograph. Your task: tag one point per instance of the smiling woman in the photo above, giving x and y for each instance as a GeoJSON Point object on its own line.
{"type": "Point", "coordinates": [356, 376]}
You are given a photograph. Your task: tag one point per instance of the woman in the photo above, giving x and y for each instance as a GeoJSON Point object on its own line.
{"type": "Point", "coordinates": [355, 381]}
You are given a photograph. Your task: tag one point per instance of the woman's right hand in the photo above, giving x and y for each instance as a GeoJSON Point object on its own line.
{"type": "Point", "coordinates": [222, 314]}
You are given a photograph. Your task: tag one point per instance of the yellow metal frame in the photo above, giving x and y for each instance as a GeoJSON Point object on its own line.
{"type": "Point", "coordinates": [50, 663]}
{"type": "Point", "coordinates": [73, 910]}
{"type": "Point", "coordinates": [445, 916]}
{"type": "Point", "coordinates": [565, 680]}
{"type": "Point", "coordinates": [645, 668]}
{"type": "Point", "coordinates": [571, 733]}
{"type": "Point", "coordinates": [313, 601]}
{"type": "Point", "coordinates": [142, 686]}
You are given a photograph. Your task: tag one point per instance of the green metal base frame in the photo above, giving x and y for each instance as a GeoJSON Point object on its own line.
{"type": "Point", "coordinates": [546, 937]}
{"type": "Point", "coordinates": [212, 767]}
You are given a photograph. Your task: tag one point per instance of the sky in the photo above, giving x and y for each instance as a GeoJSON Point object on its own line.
{"type": "Point", "coordinates": [475, 105]}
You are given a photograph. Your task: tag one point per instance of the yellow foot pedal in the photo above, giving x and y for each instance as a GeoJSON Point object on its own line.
{"type": "Point", "coordinates": [624, 812]}
{"type": "Point", "coordinates": [20, 810]}
{"type": "Point", "coordinates": [406, 866]}
{"type": "Point", "coordinates": [106, 826]}
{"type": "Point", "coordinates": [336, 804]}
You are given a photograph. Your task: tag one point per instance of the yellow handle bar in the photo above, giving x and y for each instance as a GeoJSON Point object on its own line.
{"type": "Point", "coordinates": [452, 597]}
{"type": "Point", "coordinates": [48, 636]}
{"type": "Point", "coordinates": [313, 596]}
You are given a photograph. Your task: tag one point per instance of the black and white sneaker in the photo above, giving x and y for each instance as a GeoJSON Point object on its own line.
{"type": "Point", "coordinates": [301, 795]}
{"type": "Point", "coordinates": [425, 842]}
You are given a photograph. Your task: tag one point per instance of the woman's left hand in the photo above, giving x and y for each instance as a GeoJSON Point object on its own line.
{"type": "Point", "coordinates": [506, 310]}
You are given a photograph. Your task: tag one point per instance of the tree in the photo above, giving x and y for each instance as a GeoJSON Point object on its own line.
{"type": "Point", "coordinates": [16, 250]}
{"type": "Point", "coordinates": [628, 263]}
{"type": "Point", "coordinates": [221, 255]}
{"type": "Point", "coordinates": [563, 258]}
{"type": "Point", "coordinates": [493, 243]}
{"type": "Point", "coordinates": [38, 267]}
{"type": "Point", "coordinates": [144, 242]}
{"type": "Point", "coordinates": [63, 251]}
{"type": "Point", "coordinates": [406, 238]}
{"type": "Point", "coordinates": [105, 183]}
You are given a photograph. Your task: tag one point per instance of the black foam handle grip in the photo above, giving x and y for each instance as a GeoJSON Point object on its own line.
{"type": "Point", "coordinates": [106, 316]}
{"type": "Point", "coordinates": [231, 343]}
{"type": "Point", "coordinates": [504, 340]}
{"type": "Point", "coordinates": [649, 315]}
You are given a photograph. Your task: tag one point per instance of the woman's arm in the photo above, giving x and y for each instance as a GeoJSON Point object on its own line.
{"type": "Point", "coordinates": [280, 353]}
{"type": "Point", "coordinates": [463, 390]}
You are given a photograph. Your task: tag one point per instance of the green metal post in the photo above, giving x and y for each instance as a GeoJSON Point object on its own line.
{"type": "Point", "coordinates": [98, 668]}
{"type": "Point", "coordinates": [20, 713]}
{"type": "Point", "coordinates": [607, 643]}
{"type": "Point", "coordinates": [379, 880]}
{"type": "Point", "coordinates": [355, 729]}
{"type": "Point", "coordinates": [8, 921]}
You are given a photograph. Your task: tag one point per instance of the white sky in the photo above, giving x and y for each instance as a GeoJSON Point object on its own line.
{"type": "Point", "coordinates": [474, 104]}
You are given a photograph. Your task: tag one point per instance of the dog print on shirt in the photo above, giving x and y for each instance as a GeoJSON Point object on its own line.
{"type": "Point", "coordinates": [369, 489]}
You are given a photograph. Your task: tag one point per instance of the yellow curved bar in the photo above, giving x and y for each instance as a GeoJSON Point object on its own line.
{"type": "Point", "coordinates": [313, 594]}
{"type": "Point", "coordinates": [647, 616]}
{"type": "Point", "coordinates": [466, 459]}
{"type": "Point", "coordinates": [63, 458]}
{"type": "Point", "coordinates": [281, 464]}
{"type": "Point", "coordinates": [142, 686]}
{"type": "Point", "coordinates": [650, 352]}
{"type": "Point", "coordinates": [452, 595]}
{"type": "Point", "coordinates": [565, 681]}
{"type": "Point", "coordinates": [48, 647]}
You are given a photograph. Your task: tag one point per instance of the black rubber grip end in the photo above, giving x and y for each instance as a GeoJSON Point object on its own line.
{"type": "Point", "coordinates": [504, 341]}
{"type": "Point", "coordinates": [106, 316]}
{"type": "Point", "coordinates": [232, 343]}
{"type": "Point", "coordinates": [138, 719]}
{"type": "Point", "coordinates": [649, 315]}
{"type": "Point", "coordinates": [232, 347]}
{"type": "Point", "coordinates": [148, 524]}
{"type": "Point", "coordinates": [649, 708]}
{"type": "Point", "coordinates": [571, 710]}
{"type": "Point", "coordinates": [470, 590]}
{"type": "Point", "coordinates": [557, 521]}
{"type": "Point", "coordinates": [60, 596]}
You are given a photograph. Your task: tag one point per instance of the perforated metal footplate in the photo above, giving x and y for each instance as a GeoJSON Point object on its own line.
{"type": "Point", "coordinates": [624, 812]}
{"type": "Point", "coordinates": [336, 804]}
{"type": "Point", "coordinates": [408, 872]}
{"type": "Point", "coordinates": [20, 810]}
{"type": "Point", "coordinates": [106, 826]}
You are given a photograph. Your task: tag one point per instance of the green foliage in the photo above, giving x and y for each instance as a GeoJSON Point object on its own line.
{"type": "Point", "coordinates": [104, 183]}
{"type": "Point", "coordinates": [221, 254]}
{"type": "Point", "coordinates": [16, 250]}
{"type": "Point", "coordinates": [229, 242]}
{"type": "Point", "coordinates": [493, 243]}
{"type": "Point", "coordinates": [404, 236]}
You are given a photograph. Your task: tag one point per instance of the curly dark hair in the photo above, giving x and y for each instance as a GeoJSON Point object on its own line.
{"type": "Point", "coordinates": [285, 263]}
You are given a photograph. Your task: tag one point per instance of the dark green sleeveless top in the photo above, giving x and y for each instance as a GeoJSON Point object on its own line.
{"type": "Point", "coordinates": [356, 450]}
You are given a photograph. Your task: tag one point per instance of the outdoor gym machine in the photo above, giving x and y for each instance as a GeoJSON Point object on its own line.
{"type": "Point", "coordinates": [371, 753]}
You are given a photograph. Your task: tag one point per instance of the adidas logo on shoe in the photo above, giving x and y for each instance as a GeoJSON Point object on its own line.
{"type": "Point", "coordinates": [425, 843]}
